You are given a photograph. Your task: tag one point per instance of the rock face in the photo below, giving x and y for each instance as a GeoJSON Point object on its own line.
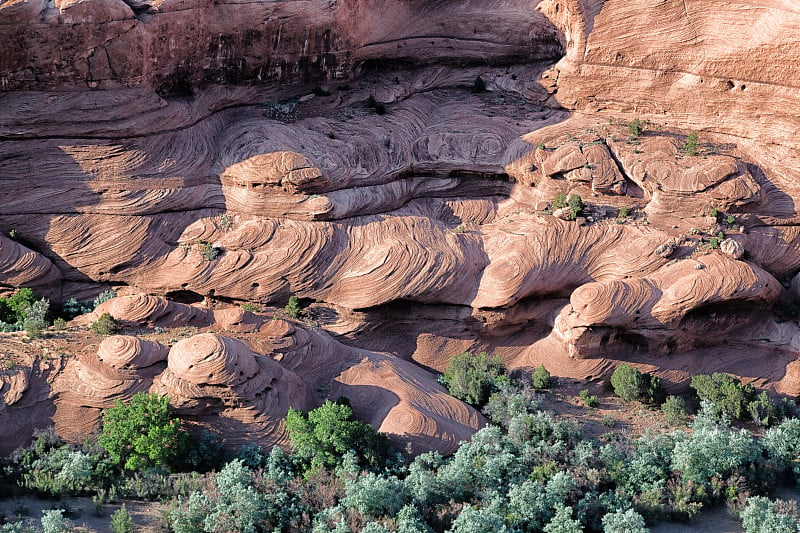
{"type": "Point", "coordinates": [396, 162]}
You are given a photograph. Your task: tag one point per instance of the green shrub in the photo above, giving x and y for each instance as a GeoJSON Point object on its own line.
{"type": "Point", "coordinates": [575, 204]}
{"type": "Point", "coordinates": [635, 128]}
{"type": "Point", "coordinates": [251, 307]}
{"type": "Point", "coordinates": [293, 308]}
{"type": "Point", "coordinates": [473, 378]}
{"type": "Point", "coordinates": [105, 325]}
{"type": "Point", "coordinates": [209, 252]}
{"type": "Point", "coordinates": [59, 324]}
{"type": "Point", "coordinates": [560, 201]}
{"type": "Point", "coordinates": [731, 220]}
{"type": "Point", "coordinates": [142, 433]}
{"type": "Point", "coordinates": [562, 521]}
{"type": "Point", "coordinates": [326, 433]}
{"type": "Point", "coordinates": [12, 308]}
{"type": "Point", "coordinates": [763, 410]}
{"type": "Point", "coordinates": [540, 378]}
{"type": "Point", "coordinates": [631, 384]}
{"type": "Point", "coordinates": [624, 212]}
{"type": "Point", "coordinates": [588, 400]}
{"type": "Point", "coordinates": [674, 409]}
{"type": "Point", "coordinates": [726, 393]}
{"type": "Point", "coordinates": [690, 147]}
{"type": "Point", "coordinates": [121, 521]}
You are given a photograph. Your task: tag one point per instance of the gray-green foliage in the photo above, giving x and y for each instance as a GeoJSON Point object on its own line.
{"type": "Point", "coordinates": [409, 520]}
{"type": "Point", "coordinates": [761, 515]}
{"type": "Point", "coordinates": [562, 521]}
{"type": "Point", "coordinates": [36, 317]}
{"type": "Point", "coordinates": [628, 521]}
{"type": "Point", "coordinates": [53, 521]}
{"type": "Point", "coordinates": [374, 495]}
{"type": "Point", "coordinates": [103, 297]}
{"type": "Point", "coordinates": [782, 444]}
{"type": "Point", "coordinates": [472, 520]}
{"type": "Point", "coordinates": [235, 505]}
{"type": "Point", "coordinates": [17, 527]}
{"type": "Point", "coordinates": [61, 469]}
{"type": "Point", "coordinates": [713, 449]}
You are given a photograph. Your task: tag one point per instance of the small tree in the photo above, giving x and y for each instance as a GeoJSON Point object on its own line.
{"type": "Point", "coordinates": [121, 521]}
{"type": "Point", "coordinates": [142, 433]}
{"type": "Point", "coordinates": [540, 378]}
{"type": "Point", "coordinates": [473, 378]}
{"type": "Point", "coordinates": [725, 392]}
{"type": "Point", "coordinates": [36, 318]}
{"type": "Point", "coordinates": [631, 384]}
{"type": "Point", "coordinates": [293, 308]}
{"type": "Point", "coordinates": [326, 433]}
{"type": "Point", "coordinates": [105, 325]}
{"type": "Point", "coordinates": [575, 204]}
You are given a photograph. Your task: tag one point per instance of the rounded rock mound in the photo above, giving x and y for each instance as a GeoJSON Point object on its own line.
{"type": "Point", "coordinates": [211, 359]}
{"type": "Point", "coordinates": [127, 351]}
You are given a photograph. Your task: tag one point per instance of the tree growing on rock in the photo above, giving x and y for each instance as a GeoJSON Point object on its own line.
{"type": "Point", "coordinates": [473, 378]}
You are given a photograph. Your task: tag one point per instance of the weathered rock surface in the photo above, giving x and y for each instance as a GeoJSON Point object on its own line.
{"type": "Point", "coordinates": [404, 199]}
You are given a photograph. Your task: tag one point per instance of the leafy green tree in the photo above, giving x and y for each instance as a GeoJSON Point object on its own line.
{"type": "Point", "coordinates": [631, 384]}
{"type": "Point", "coordinates": [143, 433]}
{"type": "Point", "coordinates": [324, 435]}
{"type": "Point", "coordinates": [12, 309]}
{"type": "Point", "coordinates": [473, 378]}
{"type": "Point", "coordinates": [635, 128]}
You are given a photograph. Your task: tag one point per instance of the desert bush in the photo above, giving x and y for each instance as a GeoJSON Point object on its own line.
{"type": "Point", "coordinates": [631, 384]}
{"type": "Point", "coordinates": [409, 520]}
{"type": "Point", "coordinates": [473, 520]}
{"type": "Point", "coordinates": [635, 128]}
{"type": "Point", "coordinates": [103, 297]}
{"type": "Point", "coordinates": [322, 436]}
{"type": "Point", "coordinates": [764, 411]}
{"type": "Point", "coordinates": [53, 521]}
{"type": "Point", "coordinates": [36, 318]}
{"type": "Point", "coordinates": [12, 308]}
{"type": "Point", "coordinates": [575, 204]}
{"type": "Point", "coordinates": [674, 409]}
{"type": "Point", "coordinates": [624, 212]}
{"type": "Point", "coordinates": [589, 400]}
{"type": "Point", "coordinates": [105, 325]}
{"type": "Point", "coordinates": [142, 433]}
{"type": "Point", "coordinates": [713, 449]}
{"type": "Point", "coordinates": [690, 146]}
{"type": "Point", "coordinates": [540, 378]}
{"type": "Point", "coordinates": [121, 521]}
{"type": "Point", "coordinates": [509, 401]}
{"type": "Point", "coordinates": [562, 521]}
{"type": "Point", "coordinates": [761, 515]}
{"type": "Point", "coordinates": [560, 201]}
{"type": "Point", "coordinates": [374, 496]}
{"type": "Point", "coordinates": [473, 378]}
{"type": "Point", "coordinates": [628, 521]}
{"type": "Point", "coordinates": [293, 308]}
{"type": "Point", "coordinates": [782, 444]}
{"type": "Point", "coordinates": [726, 393]}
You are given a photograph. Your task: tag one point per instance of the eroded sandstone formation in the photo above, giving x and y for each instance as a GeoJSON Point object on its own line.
{"type": "Point", "coordinates": [411, 167]}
